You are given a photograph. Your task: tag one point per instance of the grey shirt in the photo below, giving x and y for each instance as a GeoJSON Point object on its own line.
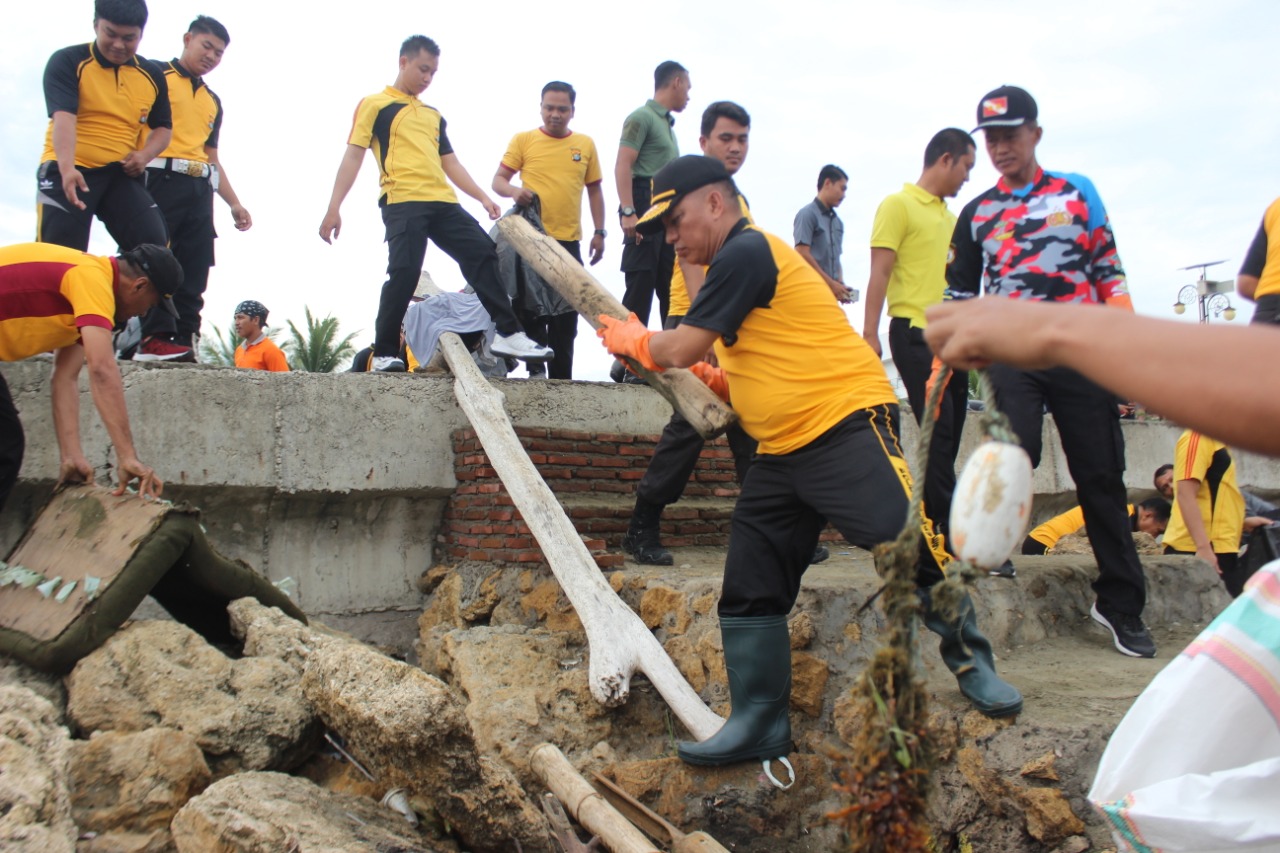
{"type": "Point", "coordinates": [818, 227]}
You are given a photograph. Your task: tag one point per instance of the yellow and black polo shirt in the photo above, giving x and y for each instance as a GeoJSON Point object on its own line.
{"type": "Point", "coordinates": [795, 366]}
{"type": "Point", "coordinates": [47, 293]}
{"type": "Point", "coordinates": [1219, 501]}
{"type": "Point", "coordinates": [113, 104]}
{"type": "Point", "coordinates": [197, 114]}
{"type": "Point", "coordinates": [408, 138]}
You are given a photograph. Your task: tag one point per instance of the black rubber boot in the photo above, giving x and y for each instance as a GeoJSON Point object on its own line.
{"type": "Point", "coordinates": [757, 655]}
{"type": "Point", "coordinates": [967, 653]}
{"type": "Point", "coordinates": [642, 540]}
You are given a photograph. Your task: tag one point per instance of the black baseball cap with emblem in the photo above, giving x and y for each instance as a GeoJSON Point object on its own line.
{"type": "Point", "coordinates": [1008, 106]}
{"type": "Point", "coordinates": [676, 180]}
{"type": "Point", "coordinates": [160, 266]}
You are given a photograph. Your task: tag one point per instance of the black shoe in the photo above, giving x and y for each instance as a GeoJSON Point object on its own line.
{"type": "Point", "coordinates": [819, 555]}
{"type": "Point", "coordinates": [618, 371]}
{"type": "Point", "coordinates": [1130, 636]}
{"type": "Point", "coordinates": [643, 539]}
{"type": "Point", "coordinates": [1005, 571]}
{"type": "Point", "coordinates": [757, 658]}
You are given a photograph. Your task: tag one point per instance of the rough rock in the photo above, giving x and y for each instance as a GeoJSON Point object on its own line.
{"type": "Point", "coordinates": [409, 730]}
{"type": "Point", "coordinates": [133, 783]}
{"type": "Point", "coordinates": [15, 673]}
{"type": "Point", "coordinates": [35, 804]}
{"type": "Point", "coordinates": [1049, 815]}
{"type": "Point", "coordinates": [275, 813]}
{"type": "Point", "coordinates": [246, 714]}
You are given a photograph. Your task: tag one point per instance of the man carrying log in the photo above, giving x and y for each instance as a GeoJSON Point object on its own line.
{"type": "Point", "coordinates": [828, 448]}
{"type": "Point", "coordinates": [55, 298]}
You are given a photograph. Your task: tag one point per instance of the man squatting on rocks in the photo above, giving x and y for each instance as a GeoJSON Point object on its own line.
{"type": "Point", "coordinates": [726, 130]}
{"type": "Point", "coordinates": [1045, 236]}
{"type": "Point", "coordinates": [416, 163]}
{"type": "Point", "coordinates": [556, 165]}
{"type": "Point", "coordinates": [60, 299]}
{"type": "Point", "coordinates": [828, 448]}
{"type": "Point", "coordinates": [183, 180]}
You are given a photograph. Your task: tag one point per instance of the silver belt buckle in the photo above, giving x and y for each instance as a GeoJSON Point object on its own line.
{"type": "Point", "coordinates": [195, 169]}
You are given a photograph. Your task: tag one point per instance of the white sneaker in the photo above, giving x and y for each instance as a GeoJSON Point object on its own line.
{"type": "Point", "coordinates": [521, 346]}
{"type": "Point", "coordinates": [387, 364]}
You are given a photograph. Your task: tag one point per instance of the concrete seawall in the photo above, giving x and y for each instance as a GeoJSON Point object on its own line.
{"type": "Point", "coordinates": [339, 481]}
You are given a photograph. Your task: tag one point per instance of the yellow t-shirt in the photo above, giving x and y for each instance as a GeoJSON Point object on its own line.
{"type": "Point", "coordinates": [917, 226]}
{"type": "Point", "coordinates": [1069, 522]}
{"type": "Point", "coordinates": [1269, 281]}
{"type": "Point", "coordinates": [557, 169]}
{"type": "Point", "coordinates": [47, 293]}
{"type": "Point", "coordinates": [773, 313]}
{"type": "Point", "coordinates": [1199, 457]}
{"type": "Point", "coordinates": [408, 139]}
{"type": "Point", "coordinates": [197, 115]}
{"type": "Point", "coordinates": [680, 301]}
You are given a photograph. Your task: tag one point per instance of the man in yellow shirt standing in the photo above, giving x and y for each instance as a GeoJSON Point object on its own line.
{"type": "Point", "coordinates": [1208, 509]}
{"type": "Point", "coordinates": [60, 299]}
{"type": "Point", "coordinates": [417, 165]}
{"type": "Point", "coordinates": [556, 164]}
{"type": "Point", "coordinates": [1259, 278]}
{"type": "Point", "coordinates": [910, 247]}
{"type": "Point", "coordinates": [256, 351]}
{"type": "Point", "coordinates": [182, 180]}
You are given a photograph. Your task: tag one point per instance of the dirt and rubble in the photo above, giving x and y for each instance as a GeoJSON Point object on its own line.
{"type": "Point", "coordinates": [159, 742]}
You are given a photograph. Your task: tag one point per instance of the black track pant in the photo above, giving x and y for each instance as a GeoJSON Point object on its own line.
{"type": "Point", "coordinates": [120, 202]}
{"type": "Point", "coordinates": [12, 443]}
{"type": "Point", "coordinates": [187, 205]}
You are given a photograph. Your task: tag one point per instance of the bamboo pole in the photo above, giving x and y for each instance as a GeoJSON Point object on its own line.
{"type": "Point", "coordinates": [620, 643]}
{"type": "Point", "coordinates": [585, 804]}
{"type": "Point", "coordinates": [699, 405]}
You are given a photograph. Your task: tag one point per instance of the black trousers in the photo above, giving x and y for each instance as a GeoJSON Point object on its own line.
{"type": "Point", "coordinates": [557, 331]}
{"type": "Point", "coordinates": [1268, 310]}
{"type": "Point", "coordinates": [409, 225]}
{"type": "Point", "coordinates": [1089, 426]}
{"type": "Point", "coordinates": [187, 205]}
{"type": "Point", "coordinates": [13, 443]}
{"type": "Point", "coordinates": [647, 266]}
{"type": "Point", "coordinates": [854, 475]}
{"type": "Point", "coordinates": [677, 452]}
{"type": "Point", "coordinates": [120, 202]}
{"type": "Point", "coordinates": [914, 360]}
{"type": "Point", "coordinates": [1234, 574]}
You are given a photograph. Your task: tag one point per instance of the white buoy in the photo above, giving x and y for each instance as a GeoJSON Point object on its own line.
{"type": "Point", "coordinates": [991, 505]}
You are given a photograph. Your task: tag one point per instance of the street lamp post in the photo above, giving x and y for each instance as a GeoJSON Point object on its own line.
{"type": "Point", "coordinates": [1209, 297]}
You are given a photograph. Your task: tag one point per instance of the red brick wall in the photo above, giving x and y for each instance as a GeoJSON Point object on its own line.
{"type": "Point", "coordinates": [596, 475]}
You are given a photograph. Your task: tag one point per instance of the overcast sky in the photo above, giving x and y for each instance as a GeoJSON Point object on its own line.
{"type": "Point", "coordinates": [1168, 106]}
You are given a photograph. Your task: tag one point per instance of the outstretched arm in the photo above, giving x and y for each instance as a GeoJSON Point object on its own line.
{"type": "Point", "coordinates": [462, 179]}
{"type": "Point", "coordinates": [108, 397]}
{"type": "Point", "coordinates": [331, 225]}
{"type": "Point", "coordinates": [1199, 380]}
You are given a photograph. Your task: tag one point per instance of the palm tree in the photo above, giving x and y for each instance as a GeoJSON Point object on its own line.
{"type": "Point", "coordinates": [319, 351]}
{"type": "Point", "coordinates": [220, 348]}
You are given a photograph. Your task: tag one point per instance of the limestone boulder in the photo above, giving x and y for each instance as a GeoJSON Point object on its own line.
{"type": "Point", "coordinates": [247, 714]}
{"type": "Point", "coordinates": [261, 812]}
{"type": "Point", "coordinates": [127, 786]}
{"type": "Point", "coordinates": [15, 673]}
{"type": "Point", "coordinates": [35, 801]}
{"type": "Point", "coordinates": [411, 731]}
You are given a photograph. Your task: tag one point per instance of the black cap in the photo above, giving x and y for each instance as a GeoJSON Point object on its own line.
{"type": "Point", "coordinates": [1007, 106]}
{"type": "Point", "coordinates": [160, 266]}
{"type": "Point", "coordinates": [674, 181]}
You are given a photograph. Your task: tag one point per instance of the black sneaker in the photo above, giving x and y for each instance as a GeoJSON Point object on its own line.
{"type": "Point", "coordinates": [646, 549]}
{"type": "Point", "coordinates": [1006, 570]}
{"type": "Point", "coordinates": [820, 554]}
{"type": "Point", "coordinates": [1129, 634]}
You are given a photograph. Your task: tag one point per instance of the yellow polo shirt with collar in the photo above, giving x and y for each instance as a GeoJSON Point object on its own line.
{"type": "Point", "coordinates": [197, 115]}
{"type": "Point", "coordinates": [557, 169]}
{"type": "Point", "coordinates": [408, 139]}
{"type": "Point", "coordinates": [916, 225]}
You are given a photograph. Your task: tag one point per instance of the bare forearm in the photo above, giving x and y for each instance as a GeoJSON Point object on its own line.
{"type": "Point", "coordinates": [877, 287]}
{"type": "Point", "coordinates": [1186, 493]}
{"type": "Point", "coordinates": [346, 177]}
{"type": "Point", "coordinates": [108, 398]}
{"type": "Point", "coordinates": [595, 200]}
{"type": "Point", "coordinates": [64, 140]}
{"type": "Point", "coordinates": [622, 177]}
{"type": "Point", "coordinates": [1247, 286]}
{"type": "Point", "coordinates": [502, 186]}
{"type": "Point", "coordinates": [156, 142]}
{"type": "Point", "coordinates": [64, 391]}
{"type": "Point", "coordinates": [461, 178]}
{"type": "Point", "coordinates": [808, 256]}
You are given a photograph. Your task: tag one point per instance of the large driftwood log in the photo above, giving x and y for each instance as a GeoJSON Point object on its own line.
{"type": "Point", "coordinates": [620, 643]}
{"type": "Point", "coordinates": [706, 412]}
{"type": "Point", "coordinates": [584, 803]}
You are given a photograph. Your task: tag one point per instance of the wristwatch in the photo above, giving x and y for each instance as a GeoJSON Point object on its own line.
{"type": "Point", "coordinates": [626, 211]}
{"type": "Point", "coordinates": [600, 232]}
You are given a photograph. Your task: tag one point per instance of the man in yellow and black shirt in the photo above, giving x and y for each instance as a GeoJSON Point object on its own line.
{"type": "Point", "coordinates": [1208, 508]}
{"type": "Point", "coordinates": [100, 97]}
{"type": "Point", "coordinates": [60, 299]}
{"type": "Point", "coordinates": [182, 180]}
{"type": "Point", "coordinates": [828, 447]}
{"type": "Point", "coordinates": [1150, 517]}
{"type": "Point", "coordinates": [1259, 278]}
{"type": "Point", "coordinates": [417, 164]}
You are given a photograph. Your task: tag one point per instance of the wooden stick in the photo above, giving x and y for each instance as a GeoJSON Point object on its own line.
{"type": "Point", "coordinates": [706, 412]}
{"type": "Point", "coordinates": [584, 803]}
{"type": "Point", "coordinates": [620, 643]}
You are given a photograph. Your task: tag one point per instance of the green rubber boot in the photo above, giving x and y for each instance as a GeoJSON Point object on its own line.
{"type": "Point", "coordinates": [967, 653]}
{"type": "Point", "coordinates": [757, 655]}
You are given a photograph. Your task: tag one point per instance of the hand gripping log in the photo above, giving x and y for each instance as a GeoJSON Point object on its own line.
{"type": "Point", "coordinates": [620, 643]}
{"type": "Point", "coordinates": [687, 394]}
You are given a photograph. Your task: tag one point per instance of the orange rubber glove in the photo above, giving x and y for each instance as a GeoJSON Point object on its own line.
{"type": "Point", "coordinates": [933, 378]}
{"type": "Point", "coordinates": [714, 377]}
{"type": "Point", "coordinates": [629, 338]}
